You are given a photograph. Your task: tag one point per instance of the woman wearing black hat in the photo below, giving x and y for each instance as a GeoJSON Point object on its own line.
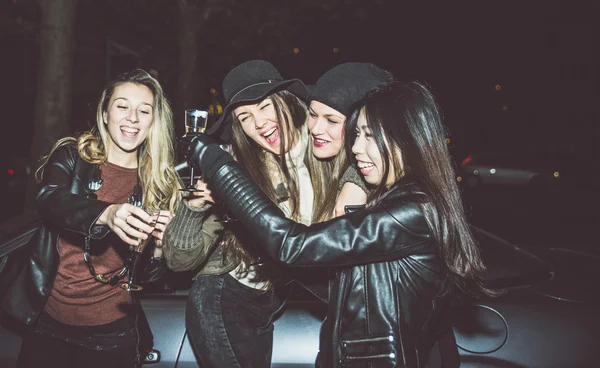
{"type": "Point", "coordinates": [332, 101]}
{"type": "Point", "coordinates": [234, 298]}
{"type": "Point", "coordinates": [400, 262]}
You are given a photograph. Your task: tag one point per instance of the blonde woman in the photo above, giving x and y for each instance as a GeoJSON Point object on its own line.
{"type": "Point", "coordinates": [99, 195]}
{"type": "Point", "coordinates": [332, 99]}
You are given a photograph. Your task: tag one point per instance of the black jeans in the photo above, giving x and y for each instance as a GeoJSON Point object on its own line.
{"type": "Point", "coordinates": [230, 324]}
{"type": "Point", "coordinates": [91, 347]}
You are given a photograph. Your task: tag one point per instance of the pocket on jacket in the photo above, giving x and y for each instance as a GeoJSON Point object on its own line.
{"type": "Point", "coordinates": [375, 349]}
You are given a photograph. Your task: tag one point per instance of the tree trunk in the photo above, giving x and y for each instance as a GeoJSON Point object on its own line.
{"type": "Point", "coordinates": [193, 61]}
{"type": "Point", "coordinates": [53, 101]}
{"type": "Point", "coordinates": [189, 91]}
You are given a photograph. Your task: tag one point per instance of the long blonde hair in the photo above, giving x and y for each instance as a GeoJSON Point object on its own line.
{"type": "Point", "coordinates": [156, 155]}
{"type": "Point", "coordinates": [325, 175]}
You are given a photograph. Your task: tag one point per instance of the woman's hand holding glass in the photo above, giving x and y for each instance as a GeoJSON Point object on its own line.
{"type": "Point", "coordinates": [130, 223]}
{"type": "Point", "coordinates": [195, 125]}
{"type": "Point", "coordinates": [203, 195]}
{"type": "Point", "coordinates": [162, 219]}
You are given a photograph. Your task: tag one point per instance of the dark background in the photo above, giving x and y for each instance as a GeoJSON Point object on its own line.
{"type": "Point", "coordinates": [516, 76]}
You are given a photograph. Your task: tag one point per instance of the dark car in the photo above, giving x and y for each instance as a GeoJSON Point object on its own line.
{"type": "Point", "coordinates": [13, 183]}
{"type": "Point", "coordinates": [547, 318]}
{"type": "Point", "coordinates": [531, 197]}
{"type": "Point", "coordinates": [510, 169]}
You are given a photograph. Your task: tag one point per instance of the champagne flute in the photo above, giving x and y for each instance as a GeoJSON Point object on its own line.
{"type": "Point", "coordinates": [136, 255]}
{"type": "Point", "coordinates": [195, 123]}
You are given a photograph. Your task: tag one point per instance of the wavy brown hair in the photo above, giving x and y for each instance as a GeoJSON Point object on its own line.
{"type": "Point", "coordinates": [263, 166]}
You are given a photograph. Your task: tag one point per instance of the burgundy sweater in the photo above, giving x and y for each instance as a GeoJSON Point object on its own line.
{"type": "Point", "coordinates": [76, 298]}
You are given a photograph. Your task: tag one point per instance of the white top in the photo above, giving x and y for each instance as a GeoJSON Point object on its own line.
{"type": "Point", "coordinates": [295, 161]}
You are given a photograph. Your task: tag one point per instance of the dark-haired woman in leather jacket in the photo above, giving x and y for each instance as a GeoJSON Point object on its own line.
{"type": "Point", "coordinates": [398, 263]}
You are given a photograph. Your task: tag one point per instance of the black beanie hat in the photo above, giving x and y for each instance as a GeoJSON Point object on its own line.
{"type": "Point", "coordinates": [249, 82]}
{"type": "Point", "coordinates": [346, 84]}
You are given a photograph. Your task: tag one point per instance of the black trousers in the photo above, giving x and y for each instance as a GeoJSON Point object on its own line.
{"type": "Point", "coordinates": [229, 324]}
{"type": "Point", "coordinates": [52, 344]}
{"type": "Point", "coordinates": [46, 351]}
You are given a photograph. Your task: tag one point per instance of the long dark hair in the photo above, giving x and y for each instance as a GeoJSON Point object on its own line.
{"type": "Point", "coordinates": [291, 113]}
{"type": "Point", "coordinates": [407, 117]}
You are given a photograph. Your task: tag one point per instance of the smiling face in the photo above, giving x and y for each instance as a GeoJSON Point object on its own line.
{"type": "Point", "coordinates": [326, 126]}
{"type": "Point", "coordinates": [261, 124]}
{"type": "Point", "coordinates": [129, 116]}
{"type": "Point", "coordinates": [369, 158]}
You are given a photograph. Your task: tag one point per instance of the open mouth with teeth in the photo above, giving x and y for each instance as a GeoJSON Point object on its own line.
{"type": "Point", "coordinates": [271, 135]}
{"type": "Point", "coordinates": [365, 167]}
{"type": "Point", "coordinates": [129, 132]}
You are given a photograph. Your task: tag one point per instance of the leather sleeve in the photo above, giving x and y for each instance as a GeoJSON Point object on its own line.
{"type": "Point", "coordinates": [394, 229]}
{"type": "Point", "coordinates": [56, 203]}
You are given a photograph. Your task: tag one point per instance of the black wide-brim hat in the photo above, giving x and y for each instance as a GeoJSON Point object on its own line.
{"type": "Point", "coordinates": [250, 82]}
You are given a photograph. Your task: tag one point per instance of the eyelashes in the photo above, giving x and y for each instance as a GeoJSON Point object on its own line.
{"type": "Point", "coordinates": [145, 112]}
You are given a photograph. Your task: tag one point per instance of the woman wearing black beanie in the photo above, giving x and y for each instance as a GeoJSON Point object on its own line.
{"type": "Point", "coordinates": [333, 100]}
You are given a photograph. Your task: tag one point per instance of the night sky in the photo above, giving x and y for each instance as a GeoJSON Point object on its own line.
{"type": "Point", "coordinates": [518, 75]}
{"type": "Point", "coordinates": [540, 53]}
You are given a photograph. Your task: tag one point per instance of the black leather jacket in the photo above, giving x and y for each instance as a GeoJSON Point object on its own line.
{"type": "Point", "coordinates": [64, 208]}
{"type": "Point", "coordinates": [390, 294]}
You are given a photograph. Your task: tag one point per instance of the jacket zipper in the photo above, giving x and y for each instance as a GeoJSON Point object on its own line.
{"type": "Point", "coordinates": [338, 321]}
{"type": "Point", "coordinates": [390, 356]}
{"type": "Point", "coordinates": [371, 339]}
{"type": "Point", "coordinates": [137, 308]}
